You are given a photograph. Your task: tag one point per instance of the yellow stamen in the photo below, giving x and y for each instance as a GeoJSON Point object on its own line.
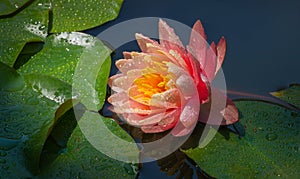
{"type": "Point", "coordinates": [148, 85]}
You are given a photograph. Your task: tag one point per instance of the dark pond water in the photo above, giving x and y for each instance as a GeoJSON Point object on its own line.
{"type": "Point", "coordinates": [262, 42]}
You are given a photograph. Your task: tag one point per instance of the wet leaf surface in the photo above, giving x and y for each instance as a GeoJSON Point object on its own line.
{"type": "Point", "coordinates": [83, 14]}
{"type": "Point", "coordinates": [29, 25]}
{"type": "Point", "coordinates": [81, 159]}
{"type": "Point", "coordinates": [290, 95]}
{"type": "Point", "coordinates": [10, 6]}
{"type": "Point", "coordinates": [67, 53]}
{"type": "Point", "coordinates": [270, 147]}
{"type": "Point", "coordinates": [26, 115]}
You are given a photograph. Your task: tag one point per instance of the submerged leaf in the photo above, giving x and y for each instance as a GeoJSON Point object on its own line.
{"type": "Point", "coordinates": [269, 149]}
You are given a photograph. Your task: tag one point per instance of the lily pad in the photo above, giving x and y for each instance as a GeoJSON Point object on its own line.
{"type": "Point", "coordinates": [10, 6]}
{"type": "Point", "coordinates": [26, 115]}
{"type": "Point", "coordinates": [82, 14]}
{"type": "Point", "coordinates": [290, 95]}
{"type": "Point", "coordinates": [269, 149]}
{"type": "Point", "coordinates": [10, 80]}
{"type": "Point", "coordinates": [81, 159]}
{"type": "Point", "coordinates": [64, 53]}
{"type": "Point", "coordinates": [29, 25]}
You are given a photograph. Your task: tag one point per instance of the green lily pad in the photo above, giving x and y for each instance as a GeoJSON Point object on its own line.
{"type": "Point", "coordinates": [10, 6]}
{"type": "Point", "coordinates": [10, 80]}
{"type": "Point", "coordinates": [290, 95]}
{"type": "Point", "coordinates": [64, 53]}
{"type": "Point", "coordinates": [269, 149]}
{"type": "Point", "coordinates": [26, 115]}
{"type": "Point", "coordinates": [81, 159]}
{"type": "Point", "coordinates": [29, 25]}
{"type": "Point", "coordinates": [83, 14]}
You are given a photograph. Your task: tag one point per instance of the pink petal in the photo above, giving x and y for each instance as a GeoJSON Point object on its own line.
{"type": "Point", "coordinates": [221, 50]}
{"type": "Point", "coordinates": [190, 113]}
{"type": "Point", "coordinates": [167, 99]}
{"type": "Point", "coordinates": [121, 83]}
{"type": "Point", "coordinates": [210, 63]}
{"type": "Point", "coordinates": [127, 55]}
{"type": "Point", "coordinates": [167, 36]}
{"type": "Point", "coordinates": [123, 104]}
{"type": "Point", "coordinates": [138, 120]}
{"type": "Point", "coordinates": [122, 65]}
{"type": "Point", "coordinates": [171, 58]}
{"type": "Point", "coordinates": [197, 45]}
{"type": "Point", "coordinates": [112, 78]}
{"type": "Point", "coordinates": [166, 123]}
{"type": "Point", "coordinates": [156, 128]}
{"type": "Point", "coordinates": [180, 130]}
{"type": "Point", "coordinates": [143, 41]}
{"type": "Point", "coordinates": [161, 118]}
{"type": "Point", "coordinates": [219, 111]}
{"type": "Point", "coordinates": [187, 86]}
{"type": "Point", "coordinates": [198, 28]}
{"type": "Point", "coordinates": [230, 113]}
{"type": "Point", "coordinates": [142, 61]}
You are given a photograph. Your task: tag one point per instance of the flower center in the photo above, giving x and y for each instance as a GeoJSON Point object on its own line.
{"type": "Point", "coordinates": [148, 85]}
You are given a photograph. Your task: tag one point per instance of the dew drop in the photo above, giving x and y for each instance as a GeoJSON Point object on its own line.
{"type": "Point", "coordinates": [290, 125]}
{"type": "Point", "coordinates": [42, 27]}
{"type": "Point", "coordinates": [271, 136]}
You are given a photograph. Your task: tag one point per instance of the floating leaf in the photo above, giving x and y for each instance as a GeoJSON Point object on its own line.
{"type": "Point", "coordinates": [29, 25]}
{"type": "Point", "coordinates": [81, 159]}
{"type": "Point", "coordinates": [10, 6]}
{"type": "Point", "coordinates": [82, 14]}
{"type": "Point", "coordinates": [64, 53]}
{"type": "Point", "coordinates": [10, 80]}
{"type": "Point", "coordinates": [26, 115]}
{"type": "Point", "coordinates": [290, 95]}
{"type": "Point", "coordinates": [269, 149]}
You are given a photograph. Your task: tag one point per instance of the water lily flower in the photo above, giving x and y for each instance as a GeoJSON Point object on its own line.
{"type": "Point", "coordinates": [164, 86]}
